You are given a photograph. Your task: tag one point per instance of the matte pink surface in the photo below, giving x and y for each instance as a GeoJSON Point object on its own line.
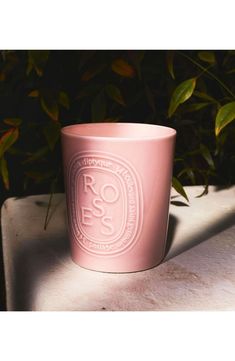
{"type": "Point", "coordinates": [118, 181]}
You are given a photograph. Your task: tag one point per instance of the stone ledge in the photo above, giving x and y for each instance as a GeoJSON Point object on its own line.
{"type": "Point", "coordinates": [198, 272]}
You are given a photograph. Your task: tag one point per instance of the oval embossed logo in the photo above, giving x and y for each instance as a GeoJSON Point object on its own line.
{"type": "Point", "coordinates": [105, 197]}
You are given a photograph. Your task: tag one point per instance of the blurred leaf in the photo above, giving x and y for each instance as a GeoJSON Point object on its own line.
{"type": "Point", "coordinates": [204, 96]}
{"type": "Point", "coordinates": [178, 159]}
{"type": "Point", "coordinates": [136, 57]}
{"type": "Point", "coordinates": [169, 61]}
{"type": "Point", "coordinates": [179, 188]}
{"type": "Point", "coordinates": [16, 151]}
{"type": "Point", "coordinates": [37, 59]}
{"type": "Point", "coordinates": [182, 93]}
{"type": "Point", "coordinates": [150, 98]}
{"type": "Point", "coordinates": [121, 67]}
{"type": "Point", "coordinates": [34, 93]}
{"type": "Point", "coordinates": [2, 76]}
{"type": "Point", "coordinates": [135, 98]}
{"type": "Point", "coordinates": [207, 155]}
{"type": "Point", "coordinates": [64, 99]}
{"type": "Point", "coordinates": [10, 61]}
{"type": "Point", "coordinates": [39, 154]}
{"type": "Point", "coordinates": [4, 172]}
{"type": "Point", "coordinates": [194, 107]}
{"type": "Point", "coordinates": [207, 56]}
{"type": "Point", "coordinates": [114, 93]}
{"type": "Point", "coordinates": [15, 122]}
{"type": "Point", "coordinates": [85, 56]}
{"type": "Point", "coordinates": [190, 174]}
{"type": "Point", "coordinates": [50, 106]}
{"type": "Point", "coordinates": [29, 68]}
{"type": "Point", "coordinates": [231, 71]}
{"type": "Point", "coordinates": [52, 133]}
{"type": "Point", "coordinates": [98, 108]}
{"type": "Point", "coordinates": [93, 71]}
{"type": "Point", "coordinates": [89, 90]}
{"type": "Point", "coordinates": [225, 115]}
{"type": "Point", "coordinates": [39, 177]}
{"type": "Point", "coordinates": [220, 142]}
{"type": "Point", "coordinates": [7, 139]}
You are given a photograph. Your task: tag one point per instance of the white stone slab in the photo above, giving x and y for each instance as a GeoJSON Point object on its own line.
{"type": "Point", "coordinates": [198, 272]}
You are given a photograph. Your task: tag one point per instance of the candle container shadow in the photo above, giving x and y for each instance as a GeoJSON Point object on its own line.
{"type": "Point", "coordinates": [177, 242]}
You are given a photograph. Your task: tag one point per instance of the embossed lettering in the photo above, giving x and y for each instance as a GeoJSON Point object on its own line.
{"type": "Point", "coordinates": [107, 205]}
{"type": "Point", "coordinates": [96, 204]}
{"type": "Point", "coordinates": [115, 191]}
{"type": "Point", "coordinates": [108, 225]}
{"type": "Point", "coordinates": [89, 184]}
{"type": "Point", "coordinates": [86, 216]}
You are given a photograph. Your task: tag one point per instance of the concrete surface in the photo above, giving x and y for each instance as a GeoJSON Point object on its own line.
{"type": "Point", "coordinates": [198, 272]}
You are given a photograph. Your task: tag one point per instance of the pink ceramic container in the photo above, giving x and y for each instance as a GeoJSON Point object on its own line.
{"type": "Point", "coordinates": [118, 181]}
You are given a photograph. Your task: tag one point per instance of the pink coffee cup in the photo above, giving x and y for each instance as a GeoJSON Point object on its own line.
{"type": "Point", "coordinates": [118, 182]}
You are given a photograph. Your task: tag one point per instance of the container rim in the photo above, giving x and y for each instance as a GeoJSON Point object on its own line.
{"type": "Point", "coordinates": [162, 132]}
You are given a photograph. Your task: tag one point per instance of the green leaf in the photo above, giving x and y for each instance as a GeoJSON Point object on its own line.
{"type": "Point", "coordinates": [8, 139]}
{"type": "Point", "coordinates": [37, 59]}
{"type": "Point", "coordinates": [64, 99]}
{"type": "Point", "coordinates": [207, 155]}
{"type": "Point", "coordinates": [169, 61]}
{"type": "Point", "coordinates": [190, 174]}
{"type": "Point", "coordinates": [115, 94]}
{"type": "Point", "coordinates": [179, 188]}
{"type": "Point", "coordinates": [204, 192]}
{"type": "Point", "coordinates": [204, 96]}
{"type": "Point", "coordinates": [4, 172]}
{"type": "Point", "coordinates": [194, 107]}
{"type": "Point", "coordinates": [14, 122]}
{"type": "Point", "coordinates": [50, 106]}
{"type": "Point", "coordinates": [182, 93]}
{"type": "Point", "coordinates": [98, 108]}
{"type": "Point", "coordinates": [207, 56]}
{"type": "Point", "coordinates": [121, 67]}
{"type": "Point", "coordinates": [225, 115]}
{"type": "Point", "coordinates": [52, 133]}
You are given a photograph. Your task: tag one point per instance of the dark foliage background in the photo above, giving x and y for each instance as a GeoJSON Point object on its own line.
{"type": "Point", "coordinates": [40, 91]}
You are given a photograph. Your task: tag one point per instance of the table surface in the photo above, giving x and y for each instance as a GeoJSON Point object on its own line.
{"type": "Point", "coordinates": [198, 272]}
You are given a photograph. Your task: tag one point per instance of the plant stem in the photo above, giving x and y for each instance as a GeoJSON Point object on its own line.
{"type": "Point", "coordinates": [49, 206]}
{"type": "Point", "coordinates": [203, 71]}
{"type": "Point", "coordinates": [50, 199]}
{"type": "Point", "coordinates": [208, 72]}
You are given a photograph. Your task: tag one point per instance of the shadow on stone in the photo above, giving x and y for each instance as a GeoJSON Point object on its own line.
{"type": "Point", "coordinates": [172, 224]}
{"type": "Point", "coordinates": [173, 249]}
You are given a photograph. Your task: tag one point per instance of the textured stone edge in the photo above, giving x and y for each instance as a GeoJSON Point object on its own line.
{"type": "Point", "coordinates": [7, 229]}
